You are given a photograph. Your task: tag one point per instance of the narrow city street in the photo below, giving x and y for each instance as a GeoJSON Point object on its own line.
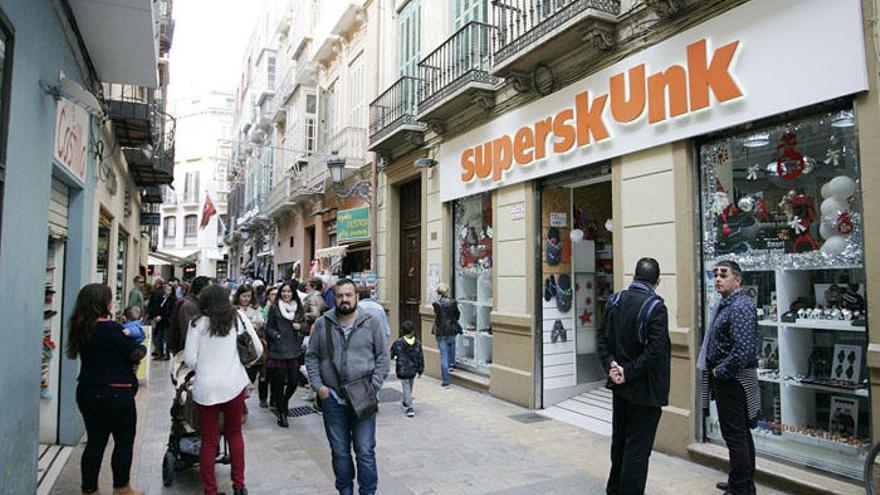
{"type": "Point", "coordinates": [459, 442]}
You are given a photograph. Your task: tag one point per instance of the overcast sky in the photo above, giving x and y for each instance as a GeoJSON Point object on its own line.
{"type": "Point", "coordinates": [210, 37]}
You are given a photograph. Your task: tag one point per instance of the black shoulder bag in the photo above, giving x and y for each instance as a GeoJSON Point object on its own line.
{"type": "Point", "coordinates": [358, 393]}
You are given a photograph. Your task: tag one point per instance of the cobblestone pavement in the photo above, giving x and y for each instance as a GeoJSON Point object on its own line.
{"type": "Point", "coordinates": [459, 442]}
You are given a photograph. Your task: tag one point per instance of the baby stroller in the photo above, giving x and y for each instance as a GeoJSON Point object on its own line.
{"type": "Point", "coordinates": [184, 441]}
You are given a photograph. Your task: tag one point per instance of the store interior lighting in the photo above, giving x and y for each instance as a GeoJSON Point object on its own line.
{"type": "Point", "coordinates": [757, 140]}
{"type": "Point", "coordinates": [844, 118]}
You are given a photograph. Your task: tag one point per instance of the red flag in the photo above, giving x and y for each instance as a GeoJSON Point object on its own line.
{"type": "Point", "coordinates": [208, 211]}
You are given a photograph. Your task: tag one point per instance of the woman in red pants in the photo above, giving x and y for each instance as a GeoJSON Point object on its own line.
{"type": "Point", "coordinates": [220, 381]}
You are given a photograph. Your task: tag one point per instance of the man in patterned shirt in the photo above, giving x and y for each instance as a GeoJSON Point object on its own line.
{"type": "Point", "coordinates": [729, 362]}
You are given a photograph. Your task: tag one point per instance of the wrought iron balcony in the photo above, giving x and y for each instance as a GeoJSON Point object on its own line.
{"type": "Point", "coordinates": [152, 194]}
{"type": "Point", "coordinates": [532, 31]}
{"type": "Point", "coordinates": [456, 74]}
{"type": "Point", "coordinates": [350, 143]}
{"type": "Point", "coordinates": [132, 110]}
{"type": "Point", "coordinates": [393, 116]}
{"type": "Point", "coordinates": [153, 165]}
{"type": "Point", "coordinates": [166, 27]}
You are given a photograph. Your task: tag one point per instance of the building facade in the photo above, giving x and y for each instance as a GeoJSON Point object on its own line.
{"type": "Point", "coordinates": [81, 104]}
{"type": "Point", "coordinates": [303, 145]}
{"type": "Point", "coordinates": [200, 184]}
{"type": "Point", "coordinates": [551, 170]}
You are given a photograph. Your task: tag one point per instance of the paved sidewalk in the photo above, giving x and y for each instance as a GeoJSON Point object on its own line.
{"type": "Point", "coordinates": [459, 442]}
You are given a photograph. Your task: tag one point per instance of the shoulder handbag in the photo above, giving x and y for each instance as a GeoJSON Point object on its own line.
{"type": "Point", "coordinates": [247, 352]}
{"type": "Point", "coordinates": [358, 393]}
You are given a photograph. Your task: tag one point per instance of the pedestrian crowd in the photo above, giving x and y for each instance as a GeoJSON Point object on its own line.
{"type": "Point", "coordinates": [329, 336]}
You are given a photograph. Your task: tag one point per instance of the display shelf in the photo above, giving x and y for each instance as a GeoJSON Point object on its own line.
{"type": "Point", "coordinates": [768, 380]}
{"type": "Point", "coordinates": [768, 323]}
{"type": "Point", "coordinates": [824, 443]}
{"type": "Point", "coordinates": [841, 326]}
{"type": "Point", "coordinates": [859, 392]}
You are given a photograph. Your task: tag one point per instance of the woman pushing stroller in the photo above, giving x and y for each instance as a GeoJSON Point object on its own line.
{"type": "Point", "coordinates": [220, 381]}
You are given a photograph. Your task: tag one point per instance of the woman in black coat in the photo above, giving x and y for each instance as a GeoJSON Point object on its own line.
{"type": "Point", "coordinates": [285, 329]}
{"type": "Point", "coordinates": [107, 386]}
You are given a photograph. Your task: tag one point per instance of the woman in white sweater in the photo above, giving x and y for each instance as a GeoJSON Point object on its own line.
{"type": "Point", "coordinates": [220, 381]}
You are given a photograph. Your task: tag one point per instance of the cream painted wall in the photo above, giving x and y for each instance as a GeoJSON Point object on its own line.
{"type": "Point", "coordinates": [511, 294]}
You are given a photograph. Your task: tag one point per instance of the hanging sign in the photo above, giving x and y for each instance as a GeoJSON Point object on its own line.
{"type": "Point", "coordinates": [353, 225]}
{"type": "Point", "coordinates": [724, 72]}
{"type": "Point", "coordinates": [71, 138]}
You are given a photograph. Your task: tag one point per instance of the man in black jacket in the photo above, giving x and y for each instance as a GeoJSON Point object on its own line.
{"type": "Point", "coordinates": [634, 347]}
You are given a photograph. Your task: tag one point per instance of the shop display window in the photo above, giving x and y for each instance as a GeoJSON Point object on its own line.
{"type": "Point", "coordinates": [472, 218]}
{"type": "Point", "coordinates": [784, 201]}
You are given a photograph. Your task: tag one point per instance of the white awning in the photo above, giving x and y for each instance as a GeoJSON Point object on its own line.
{"type": "Point", "coordinates": [330, 252]}
{"type": "Point", "coordinates": [152, 260]}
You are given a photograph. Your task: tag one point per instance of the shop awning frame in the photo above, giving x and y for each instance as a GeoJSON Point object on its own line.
{"type": "Point", "coordinates": [331, 252]}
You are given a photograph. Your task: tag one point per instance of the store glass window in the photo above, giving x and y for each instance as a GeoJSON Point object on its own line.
{"type": "Point", "coordinates": [103, 252]}
{"type": "Point", "coordinates": [121, 277]}
{"type": "Point", "coordinates": [784, 201]}
{"type": "Point", "coordinates": [472, 283]}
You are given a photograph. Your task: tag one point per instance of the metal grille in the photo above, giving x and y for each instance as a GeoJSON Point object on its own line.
{"type": "Point", "coordinates": [297, 412]}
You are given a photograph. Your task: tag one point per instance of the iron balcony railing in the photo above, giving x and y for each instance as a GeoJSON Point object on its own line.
{"type": "Point", "coordinates": [395, 107]}
{"type": "Point", "coordinates": [132, 110]}
{"type": "Point", "coordinates": [521, 23]}
{"type": "Point", "coordinates": [464, 57]}
{"type": "Point", "coordinates": [350, 143]}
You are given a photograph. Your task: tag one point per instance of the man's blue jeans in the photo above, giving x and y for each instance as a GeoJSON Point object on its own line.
{"type": "Point", "coordinates": [446, 345]}
{"type": "Point", "coordinates": [344, 429]}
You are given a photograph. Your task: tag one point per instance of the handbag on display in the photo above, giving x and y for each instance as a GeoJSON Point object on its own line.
{"type": "Point", "coordinates": [358, 393]}
{"type": "Point", "coordinates": [247, 352]}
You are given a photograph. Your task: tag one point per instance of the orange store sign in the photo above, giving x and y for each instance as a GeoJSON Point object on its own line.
{"type": "Point", "coordinates": [754, 61]}
{"type": "Point", "coordinates": [687, 88]}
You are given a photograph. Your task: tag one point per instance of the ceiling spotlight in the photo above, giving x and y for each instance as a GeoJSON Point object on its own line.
{"type": "Point", "coordinates": [757, 140]}
{"type": "Point", "coordinates": [844, 118]}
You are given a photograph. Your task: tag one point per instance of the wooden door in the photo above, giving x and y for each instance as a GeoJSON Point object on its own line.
{"type": "Point", "coordinates": [410, 282]}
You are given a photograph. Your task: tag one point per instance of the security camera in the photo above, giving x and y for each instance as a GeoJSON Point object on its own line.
{"type": "Point", "coordinates": [69, 89]}
{"type": "Point", "coordinates": [425, 163]}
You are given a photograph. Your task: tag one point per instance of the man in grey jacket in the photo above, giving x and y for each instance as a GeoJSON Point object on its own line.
{"type": "Point", "coordinates": [359, 349]}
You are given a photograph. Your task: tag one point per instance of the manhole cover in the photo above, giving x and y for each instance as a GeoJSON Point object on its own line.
{"type": "Point", "coordinates": [528, 418]}
{"type": "Point", "coordinates": [301, 411]}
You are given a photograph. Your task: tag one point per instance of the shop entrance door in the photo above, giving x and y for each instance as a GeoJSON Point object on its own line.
{"type": "Point", "coordinates": [410, 282]}
{"type": "Point", "coordinates": [576, 260]}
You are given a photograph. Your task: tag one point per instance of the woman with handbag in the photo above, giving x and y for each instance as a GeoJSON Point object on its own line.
{"type": "Point", "coordinates": [246, 301]}
{"type": "Point", "coordinates": [219, 345]}
{"type": "Point", "coordinates": [107, 386]}
{"type": "Point", "coordinates": [285, 329]}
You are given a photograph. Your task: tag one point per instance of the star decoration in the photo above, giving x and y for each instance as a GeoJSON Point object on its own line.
{"type": "Point", "coordinates": [832, 157]}
{"type": "Point", "coordinates": [753, 172]}
{"type": "Point", "coordinates": [586, 317]}
{"type": "Point", "coordinates": [796, 225]}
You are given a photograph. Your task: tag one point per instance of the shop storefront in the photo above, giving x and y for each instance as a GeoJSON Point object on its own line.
{"type": "Point", "coordinates": [718, 142]}
{"type": "Point", "coordinates": [784, 200]}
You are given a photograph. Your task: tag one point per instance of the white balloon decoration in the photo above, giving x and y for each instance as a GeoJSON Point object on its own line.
{"type": "Point", "coordinates": [826, 190]}
{"type": "Point", "coordinates": [842, 187]}
{"type": "Point", "coordinates": [834, 206]}
{"type": "Point", "coordinates": [576, 235]}
{"type": "Point", "coordinates": [827, 230]}
{"type": "Point", "coordinates": [834, 245]}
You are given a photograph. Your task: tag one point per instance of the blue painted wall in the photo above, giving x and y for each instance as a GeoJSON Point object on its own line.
{"type": "Point", "coordinates": [41, 50]}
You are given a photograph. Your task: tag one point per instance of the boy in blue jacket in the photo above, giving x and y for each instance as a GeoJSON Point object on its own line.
{"type": "Point", "coordinates": [407, 350]}
{"type": "Point", "coordinates": [132, 328]}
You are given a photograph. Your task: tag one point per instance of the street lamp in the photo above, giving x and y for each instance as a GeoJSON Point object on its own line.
{"type": "Point", "coordinates": [335, 164]}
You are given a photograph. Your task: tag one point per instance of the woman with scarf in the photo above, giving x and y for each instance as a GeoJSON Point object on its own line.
{"type": "Point", "coordinates": [285, 329]}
